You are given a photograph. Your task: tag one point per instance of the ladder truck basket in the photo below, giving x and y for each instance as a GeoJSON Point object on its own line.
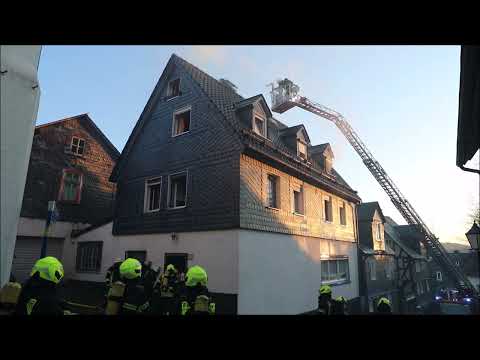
{"type": "Point", "coordinates": [283, 94]}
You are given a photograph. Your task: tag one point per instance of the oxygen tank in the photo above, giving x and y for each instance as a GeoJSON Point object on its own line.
{"type": "Point", "coordinates": [114, 297]}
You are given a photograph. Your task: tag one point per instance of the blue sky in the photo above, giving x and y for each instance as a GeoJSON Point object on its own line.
{"type": "Point", "coordinates": [402, 101]}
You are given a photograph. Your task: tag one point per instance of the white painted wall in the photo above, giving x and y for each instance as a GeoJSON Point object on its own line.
{"type": "Point", "coordinates": [19, 99]}
{"type": "Point", "coordinates": [280, 273]}
{"type": "Point", "coordinates": [216, 251]}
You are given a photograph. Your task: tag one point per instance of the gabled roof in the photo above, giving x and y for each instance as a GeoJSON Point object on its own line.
{"type": "Point", "coordinates": [88, 123]}
{"type": "Point", "coordinates": [294, 130]}
{"type": "Point", "coordinates": [391, 233]}
{"type": "Point", "coordinates": [366, 211]}
{"type": "Point", "coordinates": [252, 100]}
{"type": "Point", "coordinates": [369, 251]}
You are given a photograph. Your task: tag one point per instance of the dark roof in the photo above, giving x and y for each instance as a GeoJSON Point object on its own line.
{"type": "Point", "coordinates": [222, 96]}
{"type": "Point", "coordinates": [468, 133]}
{"type": "Point", "coordinates": [293, 130]}
{"type": "Point", "coordinates": [318, 148]}
{"type": "Point", "coordinates": [77, 233]}
{"type": "Point", "coordinates": [366, 211]}
{"type": "Point", "coordinates": [388, 219]}
{"type": "Point", "coordinates": [86, 121]}
{"type": "Point", "coordinates": [253, 100]}
{"type": "Point", "coordinates": [391, 233]}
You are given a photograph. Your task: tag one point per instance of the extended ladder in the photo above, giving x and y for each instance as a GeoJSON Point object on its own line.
{"type": "Point", "coordinates": [285, 96]}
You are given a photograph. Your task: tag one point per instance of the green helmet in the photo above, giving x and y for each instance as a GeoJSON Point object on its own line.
{"type": "Point", "coordinates": [383, 300]}
{"type": "Point", "coordinates": [196, 275]}
{"type": "Point", "coordinates": [170, 267]}
{"type": "Point", "coordinates": [325, 290]}
{"type": "Point", "coordinates": [131, 269]}
{"type": "Point", "coordinates": [341, 299]}
{"type": "Point", "coordinates": [49, 268]}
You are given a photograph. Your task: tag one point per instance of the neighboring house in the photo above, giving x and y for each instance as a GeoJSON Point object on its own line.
{"type": "Point", "coordinates": [467, 261]}
{"type": "Point", "coordinates": [414, 277]}
{"type": "Point", "coordinates": [70, 162]}
{"type": "Point", "coordinates": [377, 266]}
{"type": "Point", "coordinates": [208, 177]}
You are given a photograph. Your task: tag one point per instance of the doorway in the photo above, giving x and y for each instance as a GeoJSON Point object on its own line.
{"type": "Point", "coordinates": [179, 260]}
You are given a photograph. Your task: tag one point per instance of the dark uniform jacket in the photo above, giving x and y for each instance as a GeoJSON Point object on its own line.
{"type": "Point", "coordinates": [135, 299]}
{"type": "Point", "coordinates": [38, 297]}
{"type": "Point", "coordinates": [190, 294]}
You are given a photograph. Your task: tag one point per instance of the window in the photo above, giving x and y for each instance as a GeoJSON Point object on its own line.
{"type": "Point", "coordinates": [439, 276]}
{"type": "Point", "coordinates": [272, 185]}
{"type": "Point", "coordinates": [71, 186]}
{"type": "Point", "coordinates": [379, 231]}
{"type": "Point", "coordinates": [298, 207]}
{"type": "Point", "coordinates": [177, 190]}
{"type": "Point", "coordinates": [89, 256]}
{"type": "Point", "coordinates": [327, 160]}
{"type": "Point", "coordinates": [343, 218]}
{"type": "Point", "coordinates": [173, 88]}
{"type": "Point", "coordinates": [327, 209]}
{"type": "Point", "coordinates": [259, 126]}
{"type": "Point", "coordinates": [419, 288]}
{"type": "Point", "coordinates": [427, 285]}
{"type": "Point", "coordinates": [372, 269]}
{"type": "Point", "coordinates": [140, 255]}
{"type": "Point", "coordinates": [418, 266]}
{"type": "Point", "coordinates": [77, 146]}
{"type": "Point", "coordinates": [335, 270]}
{"type": "Point", "coordinates": [302, 149]}
{"type": "Point", "coordinates": [388, 270]}
{"type": "Point", "coordinates": [152, 194]}
{"type": "Point", "coordinates": [181, 122]}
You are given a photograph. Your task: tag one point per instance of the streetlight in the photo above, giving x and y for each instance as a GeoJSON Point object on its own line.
{"type": "Point", "coordinates": [473, 237]}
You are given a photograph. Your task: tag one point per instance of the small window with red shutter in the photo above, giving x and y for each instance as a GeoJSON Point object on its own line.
{"type": "Point", "coordinates": [71, 186]}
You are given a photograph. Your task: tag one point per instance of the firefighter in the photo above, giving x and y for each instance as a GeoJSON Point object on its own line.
{"type": "Point", "coordinates": [196, 299]}
{"type": "Point", "coordinates": [339, 306]}
{"type": "Point", "coordinates": [325, 300]}
{"type": "Point", "coordinates": [39, 294]}
{"type": "Point", "coordinates": [113, 273]}
{"type": "Point", "coordinates": [170, 281]}
{"type": "Point", "coordinates": [127, 296]}
{"type": "Point", "coordinates": [383, 306]}
{"type": "Point", "coordinates": [149, 276]}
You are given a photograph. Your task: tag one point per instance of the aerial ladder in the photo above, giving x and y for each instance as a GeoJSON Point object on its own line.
{"type": "Point", "coordinates": [285, 95]}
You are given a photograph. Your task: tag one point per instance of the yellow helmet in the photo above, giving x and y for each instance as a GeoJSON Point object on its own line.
{"type": "Point", "coordinates": [383, 300]}
{"type": "Point", "coordinates": [131, 269]}
{"type": "Point", "coordinates": [170, 267]}
{"type": "Point", "coordinates": [325, 290]}
{"type": "Point", "coordinates": [196, 275]}
{"type": "Point", "coordinates": [48, 268]}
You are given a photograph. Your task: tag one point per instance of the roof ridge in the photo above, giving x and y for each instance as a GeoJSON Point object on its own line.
{"type": "Point", "coordinates": [60, 120]}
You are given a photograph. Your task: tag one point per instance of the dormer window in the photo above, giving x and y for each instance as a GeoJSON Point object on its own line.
{"type": "Point", "coordinates": [260, 126]}
{"type": "Point", "coordinates": [77, 146]}
{"type": "Point", "coordinates": [302, 149]}
{"type": "Point", "coordinates": [173, 88]}
{"type": "Point", "coordinates": [328, 164]}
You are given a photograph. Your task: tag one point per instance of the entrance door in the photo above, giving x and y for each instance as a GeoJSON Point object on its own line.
{"type": "Point", "coordinates": [179, 260]}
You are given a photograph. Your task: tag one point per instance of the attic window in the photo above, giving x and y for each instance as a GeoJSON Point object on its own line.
{"type": "Point", "coordinates": [302, 149]}
{"type": "Point", "coordinates": [173, 88]}
{"type": "Point", "coordinates": [259, 126]}
{"type": "Point", "coordinates": [77, 146]}
{"type": "Point", "coordinates": [328, 163]}
{"type": "Point", "coordinates": [181, 122]}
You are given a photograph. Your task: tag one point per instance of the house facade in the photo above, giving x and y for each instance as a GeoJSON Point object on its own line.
{"type": "Point", "coordinates": [70, 162]}
{"type": "Point", "coordinates": [208, 177]}
{"type": "Point", "coordinates": [415, 283]}
{"type": "Point", "coordinates": [377, 265]}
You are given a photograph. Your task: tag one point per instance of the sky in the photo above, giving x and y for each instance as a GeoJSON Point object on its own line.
{"type": "Point", "coordinates": [401, 100]}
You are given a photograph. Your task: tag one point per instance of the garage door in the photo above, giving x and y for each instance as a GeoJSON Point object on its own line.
{"type": "Point", "coordinates": [27, 251]}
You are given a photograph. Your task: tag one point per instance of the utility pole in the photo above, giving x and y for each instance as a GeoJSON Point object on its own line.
{"type": "Point", "coordinates": [51, 219]}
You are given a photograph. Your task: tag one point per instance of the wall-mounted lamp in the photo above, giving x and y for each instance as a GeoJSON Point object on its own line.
{"type": "Point", "coordinates": [174, 236]}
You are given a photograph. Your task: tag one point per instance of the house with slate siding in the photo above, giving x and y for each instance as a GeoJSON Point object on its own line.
{"type": "Point", "coordinates": [377, 265]}
{"type": "Point", "coordinates": [209, 177]}
{"type": "Point", "coordinates": [70, 162]}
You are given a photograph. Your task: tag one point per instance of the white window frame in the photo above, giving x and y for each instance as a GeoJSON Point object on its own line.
{"type": "Point", "coordinates": [146, 197]}
{"type": "Point", "coordinates": [169, 187]}
{"type": "Point", "coordinates": [336, 259]}
{"type": "Point", "coordinates": [330, 200]}
{"type": "Point", "coordinates": [302, 191]}
{"type": "Point", "coordinates": [439, 278]}
{"type": "Point", "coordinates": [298, 149]}
{"type": "Point", "coordinates": [78, 146]}
{"type": "Point", "coordinates": [169, 95]}
{"type": "Point", "coordinates": [254, 125]}
{"type": "Point", "coordinates": [178, 112]}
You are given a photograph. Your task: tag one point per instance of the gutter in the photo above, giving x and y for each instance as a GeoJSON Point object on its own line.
{"type": "Point", "coordinates": [469, 170]}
